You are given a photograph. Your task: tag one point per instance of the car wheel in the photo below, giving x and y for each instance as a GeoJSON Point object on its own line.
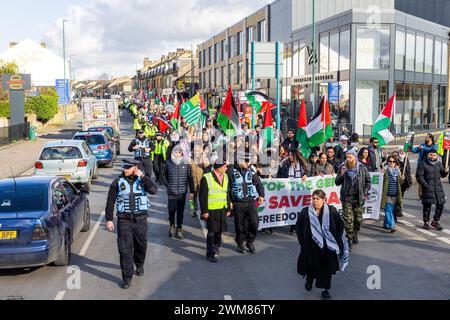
{"type": "Point", "coordinates": [66, 252]}
{"type": "Point", "coordinates": [95, 175]}
{"type": "Point", "coordinates": [87, 218]}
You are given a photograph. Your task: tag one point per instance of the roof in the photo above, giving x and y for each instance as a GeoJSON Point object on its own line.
{"type": "Point", "coordinates": [63, 143]}
{"type": "Point", "coordinates": [43, 65]}
{"type": "Point", "coordinates": [26, 181]}
{"type": "Point", "coordinates": [119, 81]}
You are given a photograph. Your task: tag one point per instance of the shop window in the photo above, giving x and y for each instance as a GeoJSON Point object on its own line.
{"type": "Point", "coordinates": [428, 55]}
{"type": "Point", "coordinates": [420, 53]}
{"type": "Point", "coordinates": [437, 56]}
{"type": "Point", "coordinates": [400, 50]}
{"type": "Point", "coordinates": [324, 53]}
{"type": "Point", "coordinates": [373, 48]}
{"type": "Point", "coordinates": [410, 51]}
{"type": "Point", "coordinates": [344, 56]}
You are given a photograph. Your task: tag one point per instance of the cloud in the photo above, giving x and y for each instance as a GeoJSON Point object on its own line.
{"type": "Point", "coordinates": [112, 36]}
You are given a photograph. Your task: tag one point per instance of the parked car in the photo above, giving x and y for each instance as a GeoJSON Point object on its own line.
{"type": "Point", "coordinates": [115, 135]}
{"type": "Point", "coordinates": [70, 159]}
{"type": "Point", "coordinates": [39, 219]}
{"type": "Point", "coordinates": [102, 147]}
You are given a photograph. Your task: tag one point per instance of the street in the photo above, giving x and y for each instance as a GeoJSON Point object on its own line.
{"type": "Point", "coordinates": [413, 263]}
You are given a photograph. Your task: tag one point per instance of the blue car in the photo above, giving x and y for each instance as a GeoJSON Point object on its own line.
{"type": "Point", "coordinates": [102, 147]}
{"type": "Point", "coordinates": [39, 219]}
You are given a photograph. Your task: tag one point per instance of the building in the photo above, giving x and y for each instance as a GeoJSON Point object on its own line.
{"type": "Point", "coordinates": [35, 59]}
{"type": "Point", "coordinates": [366, 50]}
{"type": "Point", "coordinates": [174, 73]}
{"type": "Point", "coordinates": [224, 57]}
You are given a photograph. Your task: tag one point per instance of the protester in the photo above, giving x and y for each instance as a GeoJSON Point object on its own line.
{"type": "Point", "coordinates": [425, 148]}
{"type": "Point", "coordinates": [364, 158]}
{"type": "Point", "coordinates": [376, 155]}
{"type": "Point", "coordinates": [332, 159]}
{"type": "Point", "coordinates": [342, 148]}
{"type": "Point", "coordinates": [392, 193]}
{"type": "Point", "coordinates": [322, 167]}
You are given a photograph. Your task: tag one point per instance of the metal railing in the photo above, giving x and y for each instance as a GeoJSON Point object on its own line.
{"type": "Point", "coordinates": [14, 133]}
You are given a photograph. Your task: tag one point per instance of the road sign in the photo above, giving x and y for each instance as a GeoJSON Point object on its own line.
{"type": "Point", "coordinates": [62, 87]}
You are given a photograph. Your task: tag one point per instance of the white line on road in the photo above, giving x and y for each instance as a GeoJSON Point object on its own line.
{"type": "Point", "coordinates": [28, 172]}
{"type": "Point", "coordinates": [428, 233]}
{"type": "Point", "coordinates": [60, 295]}
{"type": "Point", "coordinates": [406, 223]}
{"type": "Point", "coordinates": [411, 235]}
{"type": "Point", "coordinates": [91, 236]}
{"type": "Point", "coordinates": [446, 240]}
{"type": "Point", "coordinates": [228, 298]}
{"type": "Point", "coordinates": [407, 215]}
{"type": "Point", "coordinates": [446, 231]}
{"type": "Point", "coordinates": [159, 205]}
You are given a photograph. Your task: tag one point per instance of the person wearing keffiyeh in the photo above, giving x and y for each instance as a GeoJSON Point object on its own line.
{"type": "Point", "coordinates": [355, 182]}
{"type": "Point", "coordinates": [324, 249]}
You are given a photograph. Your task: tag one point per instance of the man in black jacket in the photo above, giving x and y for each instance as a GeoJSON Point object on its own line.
{"type": "Point", "coordinates": [429, 174]}
{"type": "Point", "coordinates": [331, 155]}
{"type": "Point", "coordinates": [177, 176]}
{"type": "Point", "coordinates": [355, 182]}
{"type": "Point", "coordinates": [290, 143]}
{"type": "Point", "coordinates": [245, 188]}
{"type": "Point", "coordinates": [142, 148]}
{"type": "Point", "coordinates": [129, 193]}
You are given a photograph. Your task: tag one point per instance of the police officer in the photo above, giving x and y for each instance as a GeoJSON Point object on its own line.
{"type": "Point", "coordinates": [215, 207]}
{"type": "Point", "coordinates": [159, 155]}
{"type": "Point", "coordinates": [129, 193]}
{"type": "Point", "coordinates": [142, 148]}
{"type": "Point", "coordinates": [246, 189]}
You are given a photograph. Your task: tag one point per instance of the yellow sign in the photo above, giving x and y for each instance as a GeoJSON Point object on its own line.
{"type": "Point", "coordinates": [180, 85]}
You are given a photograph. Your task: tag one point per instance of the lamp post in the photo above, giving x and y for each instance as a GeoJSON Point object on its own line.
{"type": "Point", "coordinates": [314, 57]}
{"type": "Point", "coordinates": [64, 60]}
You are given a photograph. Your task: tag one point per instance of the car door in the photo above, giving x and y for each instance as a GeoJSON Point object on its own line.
{"type": "Point", "coordinates": [64, 207]}
{"type": "Point", "coordinates": [91, 158]}
{"type": "Point", "coordinates": [77, 206]}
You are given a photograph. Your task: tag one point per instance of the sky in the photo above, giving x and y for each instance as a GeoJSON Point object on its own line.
{"type": "Point", "coordinates": [113, 36]}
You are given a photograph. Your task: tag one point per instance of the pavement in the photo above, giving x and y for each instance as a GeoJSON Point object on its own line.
{"type": "Point", "coordinates": [411, 264]}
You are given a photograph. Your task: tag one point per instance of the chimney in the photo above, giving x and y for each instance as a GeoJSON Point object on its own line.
{"type": "Point", "coordinates": [12, 44]}
{"type": "Point", "coordinates": [43, 45]}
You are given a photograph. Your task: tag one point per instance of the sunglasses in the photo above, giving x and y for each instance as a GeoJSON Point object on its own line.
{"type": "Point", "coordinates": [391, 161]}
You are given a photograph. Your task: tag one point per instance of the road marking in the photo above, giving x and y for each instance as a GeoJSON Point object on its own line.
{"type": "Point", "coordinates": [228, 298]}
{"type": "Point", "coordinates": [60, 295]}
{"type": "Point", "coordinates": [91, 236]}
{"type": "Point", "coordinates": [447, 241]}
{"type": "Point", "coordinates": [429, 233]}
{"type": "Point", "coordinates": [446, 231]}
{"type": "Point", "coordinates": [406, 223]}
{"type": "Point", "coordinates": [159, 205]}
{"type": "Point", "coordinates": [408, 215]}
{"type": "Point", "coordinates": [411, 235]}
{"type": "Point", "coordinates": [28, 172]}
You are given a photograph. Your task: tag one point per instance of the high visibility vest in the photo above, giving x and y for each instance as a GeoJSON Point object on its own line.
{"type": "Point", "coordinates": [217, 194]}
{"type": "Point", "coordinates": [129, 194]}
{"type": "Point", "coordinates": [137, 125]}
{"type": "Point", "coordinates": [441, 145]}
{"type": "Point", "coordinates": [161, 148]}
{"type": "Point", "coordinates": [150, 132]}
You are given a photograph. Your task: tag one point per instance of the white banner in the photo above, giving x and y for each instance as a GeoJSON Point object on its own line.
{"type": "Point", "coordinates": [286, 198]}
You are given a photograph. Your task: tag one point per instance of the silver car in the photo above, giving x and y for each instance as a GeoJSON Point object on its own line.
{"type": "Point", "coordinates": [70, 159]}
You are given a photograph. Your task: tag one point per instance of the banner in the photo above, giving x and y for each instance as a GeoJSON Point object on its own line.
{"type": "Point", "coordinates": [286, 198]}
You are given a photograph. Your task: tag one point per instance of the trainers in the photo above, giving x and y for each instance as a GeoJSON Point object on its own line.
{"type": "Point", "coordinates": [212, 259]}
{"type": "Point", "coordinates": [180, 234]}
{"type": "Point", "coordinates": [426, 226]}
{"type": "Point", "coordinates": [308, 284]}
{"type": "Point", "coordinates": [437, 226]}
{"type": "Point", "coordinates": [251, 248]}
{"type": "Point", "coordinates": [171, 231]}
{"type": "Point", "coordinates": [326, 295]}
{"type": "Point", "coordinates": [126, 284]}
{"type": "Point", "coordinates": [139, 272]}
{"type": "Point", "coordinates": [393, 230]}
{"type": "Point", "coordinates": [240, 248]}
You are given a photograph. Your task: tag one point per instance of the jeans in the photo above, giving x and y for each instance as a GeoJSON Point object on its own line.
{"type": "Point", "coordinates": [427, 212]}
{"type": "Point", "coordinates": [389, 221]}
{"type": "Point", "coordinates": [176, 207]}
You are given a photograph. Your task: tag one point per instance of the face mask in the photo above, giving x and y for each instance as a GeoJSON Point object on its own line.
{"type": "Point", "coordinates": [176, 160]}
{"type": "Point", "coordinates": [175, 138]}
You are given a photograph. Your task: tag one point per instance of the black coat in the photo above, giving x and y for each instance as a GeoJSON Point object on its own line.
{"type": "Point", "coordinates": [312, 259]}
{"type": "Point", "coordinates": [364, 184]}
{"type": "Point", "coordinates": [429, 177]}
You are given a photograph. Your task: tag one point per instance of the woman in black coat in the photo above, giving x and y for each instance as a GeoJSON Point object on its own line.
{"type": "Point", "coordinates": [321, 252]}
{"type": "Point", "coordinates": [429, 174]}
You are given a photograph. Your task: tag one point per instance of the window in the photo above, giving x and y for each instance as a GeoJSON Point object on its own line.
{"type": "Point", "coordinates": [324, 57]}
{"type": "Point", "coordinates": [221, 76]}
{"type": "Point", "coordinates": [344, 56]}
{"type": "Point", "coordinates": [416, 112]}
{"type": "Point", "coordinates": [249, 38]}
{"type": "Point", "coordinates": [442, 102]}
{"type": "Point", "coordinates": [400, 50]}
{"type": "Point", "coordinates": [204, 58]}
{"type": "Point", "coordinates": [209, 56]}
{"type": "Point", "coordinates": [334, 52]}
{"type": "Point", "coordinates": [216, 53]}
{"type": "Point", "coordinates": [66, 153]}
{"type": "Point", "coordinates": [59, 198]}
{"type": "Point", "coordinates": [230, 47]}
{"type": "Point", "coordinates": [373, 48]}
{"type": "Point", "coordinates": [70, 191]}
{"type": "Point", "coordinates": [240, 43]}
{"type": "Point", "coordinates": [240, 69]}
{"type": "Point", "coordinates": [200, 59]}
{"type": "Point", "coordinates": [428, 55]}
{"type": "Point", "coordinates": [420, 52]}
{"type": "Point", "coordinates": [444, 58]}
{"type": "Point", "coordinates": [288, 60]}
{"type": "Point", "coordinates": [399, 106]}
{"type": "Point", "coordinates": [26, 199]}
{"type": "Point", "coordinates": [230, 74]}
{"type": "Point", "coordinates": [86, 149]}
{"type": "Point", "coordinates": [427, 103]}
{"type": "Point", "coordinates": [210, 82]}
{"type": "Point", "coordinates": [296, 60]}
{"type": "Point", "coordinates": [409, 104]}
{"type": "Point", "coordinates": [410, 51]}
{"type": "Point", "coordinates": [200, 80]}
{"type": "Point", "coordinates": [438, 57]}
{"type": "Point", "coordinates": [223, 49]}
{"type": "Point", "coordinates": [262, 31]}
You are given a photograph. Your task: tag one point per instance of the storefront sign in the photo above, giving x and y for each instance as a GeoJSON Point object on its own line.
{"type": "Point", "coordinates": [286, 198]}
{"type": "Point", "coordinates": [320, 78]}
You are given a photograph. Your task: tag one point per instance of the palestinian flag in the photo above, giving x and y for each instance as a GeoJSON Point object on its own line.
{"type": "Point", "coordinates": [319, 130]}
{"type": "Point", "coordinates": [383, 123]}
{"type": "Point", "coordinates": [267, 136]}
{"type": "Point", "coordinates": [302, 136]}
{"type": "Point", "coordinates": [256, 100]}
{"type": "Point", "coordinates": [163, 125]}
{"type": "Point", "coordinates": [175, 117]}
{"type": "Point", "coordinates": [163, 100]}
{"type": "Point", "coordinates": [228, 118]}
{"type": "Point", "coordinates": [205, 112]}
{"type": "Point", "coordinates": [191, 110]}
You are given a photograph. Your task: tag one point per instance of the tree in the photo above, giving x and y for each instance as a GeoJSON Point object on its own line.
{"type": "Point", "coordinates": [6, 68]}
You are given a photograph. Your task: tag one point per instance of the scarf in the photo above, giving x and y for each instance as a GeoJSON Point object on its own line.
{"type": "Point", "coordinates": [320, 168]}
{"type": "Point", "coordinates": [293, 171]}
{"type": "Point", "coordinates": [353, 173]}
{"type": "Point", "coordinates": [321, 232]}
{"type": "Point", "coordinates": [393, 172]}
{"type": "Point", "coordinates": [433, 163]}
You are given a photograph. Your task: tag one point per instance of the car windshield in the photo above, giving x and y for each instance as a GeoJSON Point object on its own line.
{"type": "Point", "coordinates": [56, 153]}
{"type": "Point", "coordinates": [92, 140]}
{"type": "Point", "coordinates": [107, 129]}
{"type": "Point", "coordinates": [24, 199]}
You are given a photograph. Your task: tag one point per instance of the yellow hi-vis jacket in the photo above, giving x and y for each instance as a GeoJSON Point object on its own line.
{"type": "Point", "coordinates": [217, 194]}
{"type": "Point", "coordinates": [137, 125]}
{"type": "Point", "coordinates": [441, 144]}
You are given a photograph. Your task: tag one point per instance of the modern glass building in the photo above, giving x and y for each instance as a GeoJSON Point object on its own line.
{"type": "Point", "coordinates": [365, 51]}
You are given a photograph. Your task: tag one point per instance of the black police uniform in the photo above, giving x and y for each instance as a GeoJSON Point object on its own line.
{"type": "Point", "coordinates": [129, 194]}
{"type": "Point", "coordinates": [246, 217]}
{"type": "Point", "coordinates": [141, 156]}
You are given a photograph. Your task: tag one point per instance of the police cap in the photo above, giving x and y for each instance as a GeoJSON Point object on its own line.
{"type": "Point", "coordinates": [128, 163]}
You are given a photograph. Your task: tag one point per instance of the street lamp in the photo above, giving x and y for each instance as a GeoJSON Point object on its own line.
{"type": "Point", "coordinates": [64, 61]}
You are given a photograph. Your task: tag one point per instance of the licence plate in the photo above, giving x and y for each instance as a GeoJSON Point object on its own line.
{"type": "Point", "coordinates": [8, 235]}
{"type": "Point", "coordinates": [67, 177]}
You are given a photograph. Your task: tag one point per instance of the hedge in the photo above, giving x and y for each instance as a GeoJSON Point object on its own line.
{"type": "Point", "coordinates": [4, 109]}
